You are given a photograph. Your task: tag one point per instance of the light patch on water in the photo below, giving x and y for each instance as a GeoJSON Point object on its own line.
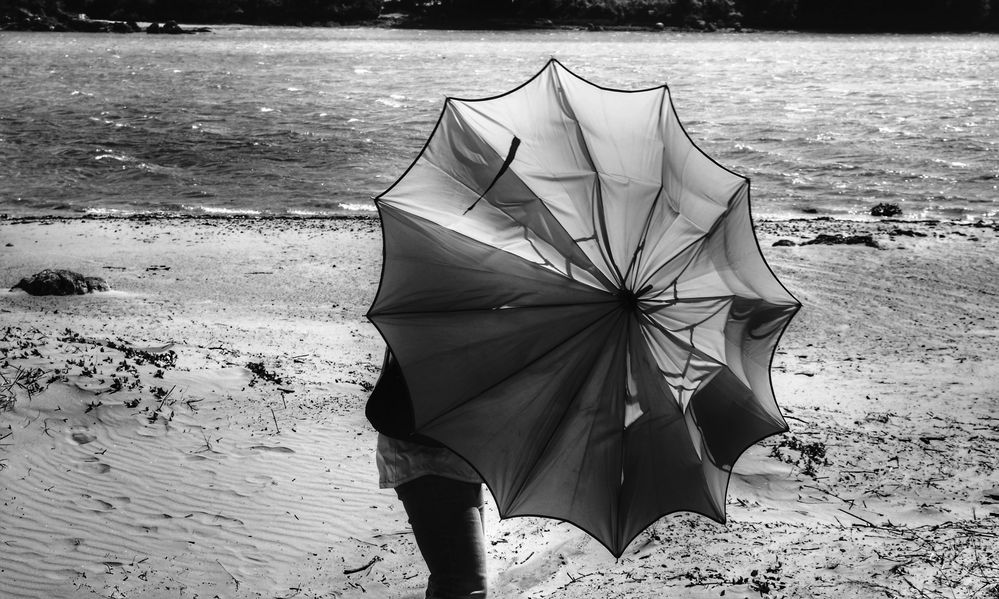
{"type": "Point", "coordinates": [118, 157]}
{"type": "Point", "coordinates": [356, 207]}
{"type": "Point", "coordinates": [950, 163]}
{"type": "Point", "coordinates": [109, 212]}
{"type": "Point", "coordinates": [221, 210]}
{"type": "Point", "coordinates": [310, 213]}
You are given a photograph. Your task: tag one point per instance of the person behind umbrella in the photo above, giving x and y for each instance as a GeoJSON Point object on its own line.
{"type": "Point", "coordinates": [441, 493]}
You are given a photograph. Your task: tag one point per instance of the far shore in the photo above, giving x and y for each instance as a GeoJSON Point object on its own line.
{"type": "Point", "coordinates": [63, 22]}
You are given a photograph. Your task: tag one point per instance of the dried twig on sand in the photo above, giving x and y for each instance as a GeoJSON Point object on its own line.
{"type": "Point", "coordinates": [372, 562]}
{"type": "Point", "coordinates": [24, 379]}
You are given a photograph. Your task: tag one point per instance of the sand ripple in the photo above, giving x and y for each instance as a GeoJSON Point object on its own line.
{"type": "Point", "coordinates": [208, 494]}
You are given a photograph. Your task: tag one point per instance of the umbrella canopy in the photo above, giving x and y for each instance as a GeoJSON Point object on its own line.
{"type": "Point", "coordinates": [579, 306]}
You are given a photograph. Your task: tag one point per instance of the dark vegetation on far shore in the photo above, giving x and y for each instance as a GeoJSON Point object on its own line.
{"type": "Point", "coordinates": [705, 15]}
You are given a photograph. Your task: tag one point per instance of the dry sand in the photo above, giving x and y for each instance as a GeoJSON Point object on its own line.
{"type": "Point", "coordinates": [241, 464]}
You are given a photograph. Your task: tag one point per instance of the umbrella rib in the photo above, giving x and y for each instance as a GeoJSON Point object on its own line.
{"type": "Point", "coordinates": [604, 247]}
{"type": "Point", "coordinates": [640, 247]}
{"type": "Point", "coordinates": [690, 260]}
{"type": "Point", "coordinates": [666, 303]}
{"type": "Point", "coordinates": [682, 343]}
{"type": "Point", "coordinates": [601, 226]}
{"type": "Point", "coordinates": [511, 154]}
{"type": "Point", "coordinates": [711, 231]}
{"type": "Point", "coordinates": [710, 316]}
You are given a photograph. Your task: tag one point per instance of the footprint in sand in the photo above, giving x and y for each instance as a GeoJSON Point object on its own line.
{"type": "Point", "coordinates": [96, 505]}
{"type": "Point", "coordinates": [259, 479]}
{"type": "Point", "coordinates": [213, 519]}
{"type": "Point", "coordinates": [274, 448]}
{"type": "Point", "coordinates": [92, 466]}
{"type": "Point", "coordinates": [82, 437]}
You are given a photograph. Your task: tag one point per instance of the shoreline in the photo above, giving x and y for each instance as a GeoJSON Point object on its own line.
{"type": "Point", "coordinates": [210, 477]}
{"type": "Point", "coordinates": [975, 222]}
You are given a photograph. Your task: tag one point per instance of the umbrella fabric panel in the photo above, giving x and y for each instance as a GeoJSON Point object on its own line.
{"type": "Point", "coordinates": [665, 463]}
{"type": "Point", "coordinates": [450, 360]}
{"type": "Point", "coordinates": [429, 268]}
{"type": "Point", "coordinates": [696, 194]}
{"type": "Point", "coordinates": [692, 181]}
{"type": "Point", "coordinates": [547, 440]}
{"type": "Point", "coordinates": [545, 232]}
{"type": "Point", "coordinates": [627, 158]}
{"type": "Point", "coordinates": [727, 262]}
{"type": "Point", "coordinates": [631, 149]}
{"type": "Point", "coordinates": [623, 208]}
{"type": "Point", "coordinates": [553, 159]}
{"type": "Point", "coordinates": [731, 419]}
{"type": "Point", "coordinates": [460, 161]}
{"type": "Point", "coordinates": [698, 324]}
{"type": "Point", "coordinates": [753, 330]}
{"type": "Point", "coordinates": [486, 223]}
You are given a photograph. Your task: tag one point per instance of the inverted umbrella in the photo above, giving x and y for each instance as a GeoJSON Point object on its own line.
{"type": "Point", "coordinates": [579, 306]}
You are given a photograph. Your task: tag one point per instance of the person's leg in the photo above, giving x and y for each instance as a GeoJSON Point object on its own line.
{"type": "Point", "coordinates": [446, 516]}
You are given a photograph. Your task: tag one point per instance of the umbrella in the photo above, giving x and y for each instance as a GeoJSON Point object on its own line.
{"type": "Point", "coordinates": [579, 306]}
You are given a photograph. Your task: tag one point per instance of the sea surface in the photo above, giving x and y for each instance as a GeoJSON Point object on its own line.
{"type": "Point", "coordinates": [306, 121]}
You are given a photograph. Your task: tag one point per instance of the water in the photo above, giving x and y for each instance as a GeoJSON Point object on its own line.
{"type": "Point", "coordinates": [317, 121]}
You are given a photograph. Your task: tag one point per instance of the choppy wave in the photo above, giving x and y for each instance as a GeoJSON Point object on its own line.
{"type": "Point", "coordinates": [266, 121]}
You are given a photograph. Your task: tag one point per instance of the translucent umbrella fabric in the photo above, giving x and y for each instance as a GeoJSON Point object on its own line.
{"type": "Point", "coordinates": [579, 306]}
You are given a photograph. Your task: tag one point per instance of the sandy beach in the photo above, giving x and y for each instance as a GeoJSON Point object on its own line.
{"type": "Point", "coordinates": [199, 430]}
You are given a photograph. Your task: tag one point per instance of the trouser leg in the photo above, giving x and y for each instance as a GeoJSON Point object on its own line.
{"type": "Point", "coordinates": [446, 516]}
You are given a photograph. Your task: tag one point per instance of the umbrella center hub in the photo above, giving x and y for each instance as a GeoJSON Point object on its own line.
{"type": "Point", "coordinates": [629, 299]}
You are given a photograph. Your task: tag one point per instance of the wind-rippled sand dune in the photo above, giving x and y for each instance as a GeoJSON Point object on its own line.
{"type": "Point", "coordinates": [199, 431]}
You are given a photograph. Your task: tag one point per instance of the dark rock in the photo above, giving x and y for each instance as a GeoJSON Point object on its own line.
{"type": "Point", "coordinates": [784, 243]}
{"type": "Point", "coordinates": [172, 28]}
{"type": "Point", "coordinates": [121, 27]}
{"type": "Point", "coordinates": [838, 239]}
{"type": "Point", "coordinates": [61, 282]}
{"type": "Point", "coordinates": [96, 284]}
{"type": "Point", "coordinates": [886, 209]}
{"type": "Point", "coordinates": [896, 232]}
{"type": "Point", "coordinates": [692, 22]}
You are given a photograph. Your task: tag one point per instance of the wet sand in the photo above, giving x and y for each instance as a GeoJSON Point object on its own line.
{"type": "Point", "coordinates": [241, 464]}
